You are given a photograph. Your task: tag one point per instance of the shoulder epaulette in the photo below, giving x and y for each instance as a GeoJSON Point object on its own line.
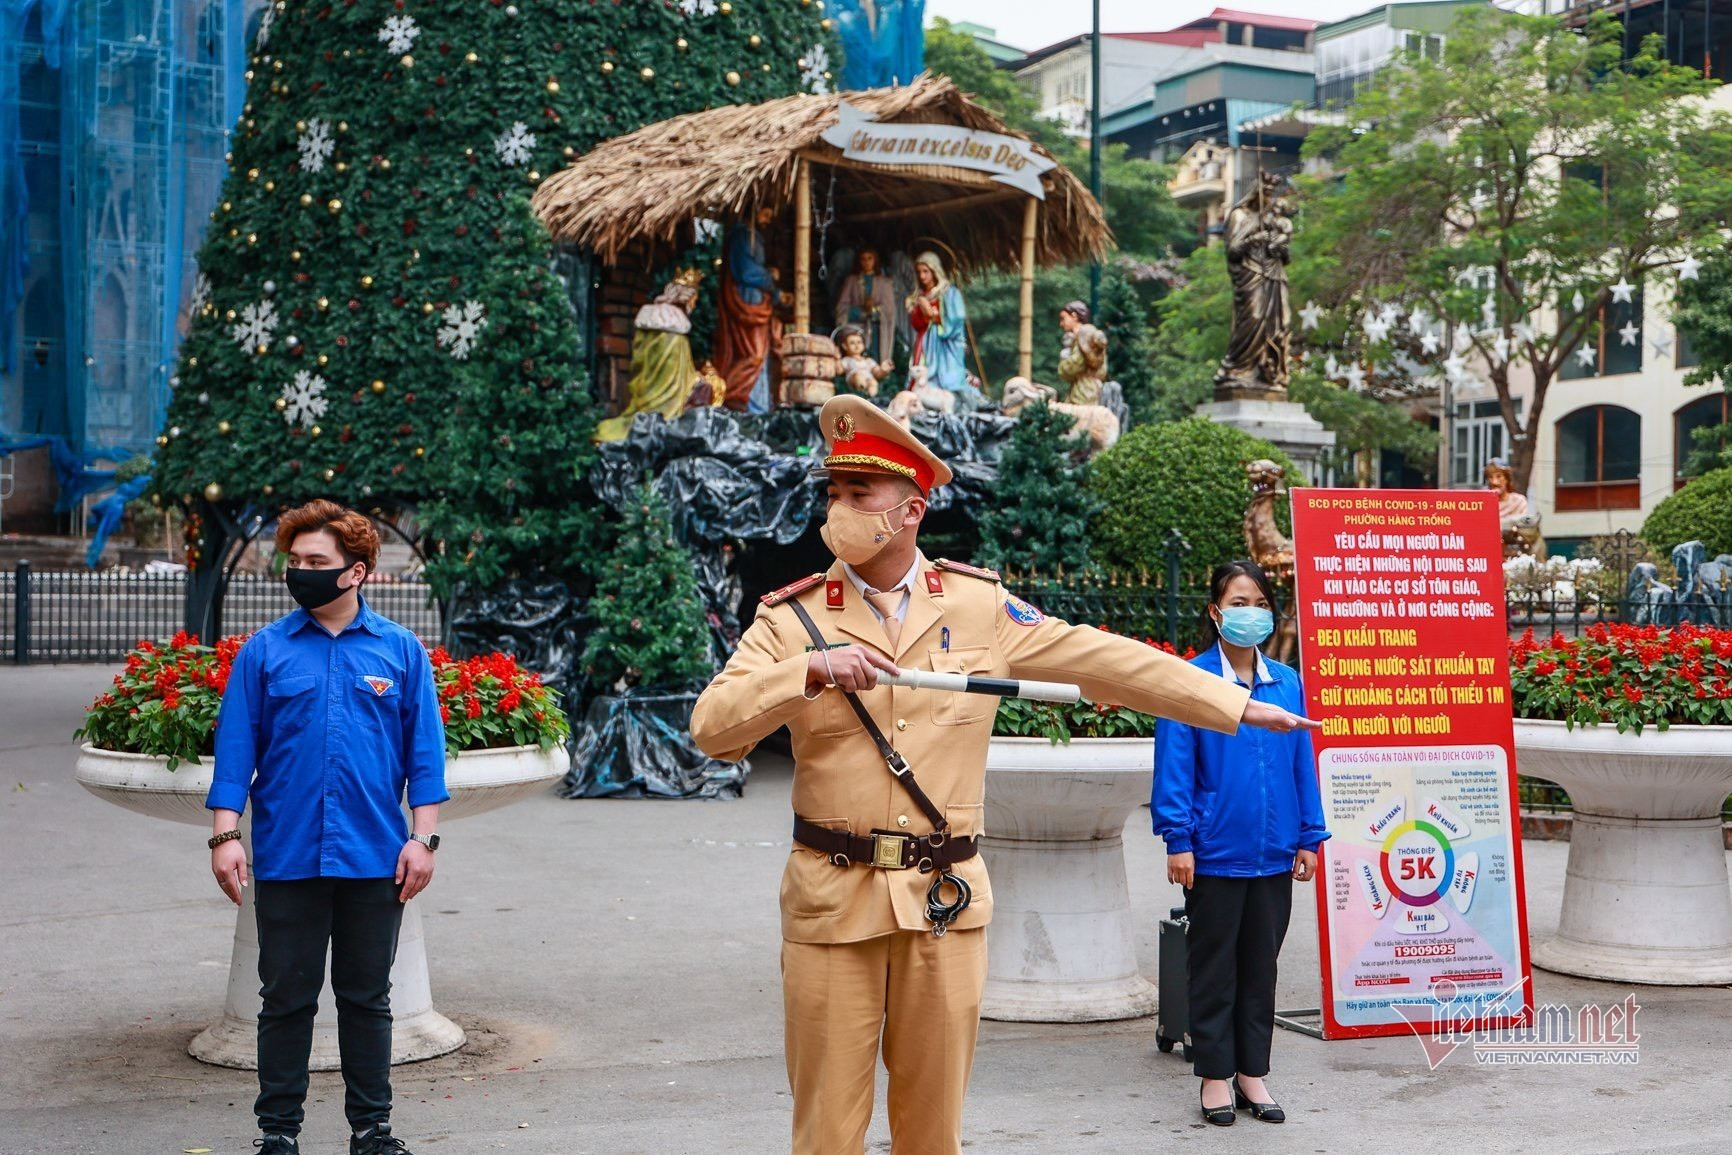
{"type": "Point", "coordinates": [990, 575]}
{"type": "Point", "coordinates": [777, 597]}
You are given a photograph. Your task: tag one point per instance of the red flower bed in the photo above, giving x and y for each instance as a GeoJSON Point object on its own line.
{"type": "Point", "coordinates": [490, 701]}
{"type": "Point", "coordinates": [1631, 676]}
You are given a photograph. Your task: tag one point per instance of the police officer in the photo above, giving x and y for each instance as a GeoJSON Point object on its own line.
{"type": "Point", "coordinates": [860, 957]}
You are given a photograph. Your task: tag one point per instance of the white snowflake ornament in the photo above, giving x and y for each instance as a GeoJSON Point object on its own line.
{"type": "Point", "coordinates": [814, 65]}
{"type": "Point", "coordinates": [699, 7]}
{"type": "Point", "coordinates": [257, 324]}
{"type": "Point", "coordinates": [462, 324]}
{"type": "Point", "coordinates": [399, 34]}
{"type": "Point", "coordinates": [265, 22]}
{"type": "Point", "coordinates": [201, 287]}
{"type": "Point", "coordinates": [305, 398]}
{"type": "Point", "coordinates": [315, 145]}
{"type": "Point", "coordinates": [516, 146]}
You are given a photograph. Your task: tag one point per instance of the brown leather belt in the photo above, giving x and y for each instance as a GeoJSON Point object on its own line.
{"type": "Point", "coordinates": [885, 849]}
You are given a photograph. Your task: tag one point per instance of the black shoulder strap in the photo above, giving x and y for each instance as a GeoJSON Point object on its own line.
{"type": "Point", "coordinates": [897, 764]}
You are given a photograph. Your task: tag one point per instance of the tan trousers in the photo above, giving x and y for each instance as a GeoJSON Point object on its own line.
{"type": "Point", "coordinates": [923, 995]}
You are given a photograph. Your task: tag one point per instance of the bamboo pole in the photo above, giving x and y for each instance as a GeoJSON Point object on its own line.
{"type": "Point", "coordinates": [803, 247]}
{"type": "Point", "coordinates": [1025, 320]}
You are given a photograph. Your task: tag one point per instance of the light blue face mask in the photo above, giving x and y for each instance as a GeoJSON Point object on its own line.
{"type": "Point", "coordinates": [1246, 625]}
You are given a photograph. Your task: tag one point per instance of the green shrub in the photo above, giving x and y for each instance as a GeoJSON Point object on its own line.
{"type": "Point", "coordinates": [1188, 475]}
{"type": "Point", "coordinates": [1701, 511]}
{"type": "Point", "coordinates": [1038, 516]}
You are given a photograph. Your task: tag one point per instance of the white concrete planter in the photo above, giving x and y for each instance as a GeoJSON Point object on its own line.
{"type": "Point", "coordinates": [478, 780]}
{"type": "Point", "coordinates": [1061, 944]}
{"type": "Point", "coordinates": [1645, 893]}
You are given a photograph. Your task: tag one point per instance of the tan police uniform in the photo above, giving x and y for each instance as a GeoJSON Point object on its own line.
{"type": "Point", "coordinates": [858, 957]}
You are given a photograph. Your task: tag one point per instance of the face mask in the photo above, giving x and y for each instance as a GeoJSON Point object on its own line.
{"type": "Point", "coordinates": [312, 588]}
{"type": "Point", "coordinates": [855, 536]}
{"type": "Point", "coordinates": [1246, 625]}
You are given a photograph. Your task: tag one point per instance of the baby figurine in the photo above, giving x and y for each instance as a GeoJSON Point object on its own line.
{"type": "Point", "coordinates": [860, 373]}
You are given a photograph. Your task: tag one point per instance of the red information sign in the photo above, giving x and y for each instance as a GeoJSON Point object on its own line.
{"type": "Point", "coordinates": [1402, 625]}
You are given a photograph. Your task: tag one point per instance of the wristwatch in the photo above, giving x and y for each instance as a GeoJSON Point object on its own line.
{"type": "Point", "coordinates": [430, 841]}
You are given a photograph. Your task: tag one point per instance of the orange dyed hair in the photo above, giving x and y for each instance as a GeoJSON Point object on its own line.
{"type": "Point", "coordinates": [353, 531]}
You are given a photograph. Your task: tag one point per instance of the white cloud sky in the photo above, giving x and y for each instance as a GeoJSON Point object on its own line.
{"type": "Point", "coordinates": [1033, 24]}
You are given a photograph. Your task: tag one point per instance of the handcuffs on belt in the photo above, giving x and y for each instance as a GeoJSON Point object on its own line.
{"type": "Point", "coordinates": [940, 913]}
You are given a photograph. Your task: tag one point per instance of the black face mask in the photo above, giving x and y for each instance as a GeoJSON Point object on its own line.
{"type": "Point", "coordinates": [313, 588]}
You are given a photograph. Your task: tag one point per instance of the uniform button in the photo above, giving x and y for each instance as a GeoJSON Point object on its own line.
{"type": "Point", "coordinates": [902, 723]}
{"type": "Point", "coordinates": [902, 820]}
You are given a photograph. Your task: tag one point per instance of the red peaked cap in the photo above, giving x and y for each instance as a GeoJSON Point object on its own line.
{"type": "Point", "coordinates": [859, 437]}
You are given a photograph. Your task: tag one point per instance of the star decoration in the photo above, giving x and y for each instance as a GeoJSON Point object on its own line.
{"type": "Point", "coordinates": [1355, 377]}
{"type": "Point", "coordinates": [1376, 328]}
{"type": "Point", "coordinates": [1331, 367]}
{"type": "Point", "coordinates": [1455, 367]}
{"type": "Point", "coordinates": [1390, 313]}
{"type": "Point", "coordinates": [1628, 334]}
{"type": "Point", "coordinates": [1418, 321]}
{"type": "Point", "coordinates": [1524, 331]}
{"type": "Point", "coordinates": [1311, 316]}
{"type": "Point", "coordinates": [1430, 342]}
{"type": "Point", "coordinates": [1688, 268]}
{"type": "Point", "coordinates": [1585, 354]}
{"type": "Point", "coordinates": [1662, 343]}
{"type": "Point", "coordinates": [1622, 290]}
{"type": "Point", "coordinates": [1501, 347]}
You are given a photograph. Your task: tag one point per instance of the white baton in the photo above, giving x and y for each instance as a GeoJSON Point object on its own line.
{"type": "Point", "coordinates": [970, 684]}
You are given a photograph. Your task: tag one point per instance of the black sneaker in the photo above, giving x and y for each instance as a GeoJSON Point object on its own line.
{"type": "Point", "coordinates": [377, 1141]}
{"type": "Point", "coordinates": [278, 1145]}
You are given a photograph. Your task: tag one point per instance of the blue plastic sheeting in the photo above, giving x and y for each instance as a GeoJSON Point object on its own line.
{"type": "Point", "coordinates": [105, 516]}
{"type": "Point", "coordinates": [14, 192]}
{"type": "Point", "coordinates": [883, 43]}
{"type": "Point", "coordinates": [72, 467]}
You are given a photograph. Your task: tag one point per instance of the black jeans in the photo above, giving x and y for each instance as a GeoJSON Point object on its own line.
{"type": "Point", "coordinates": [358, 918]}
{"type": "Point", "coordinates": [1237, 925]}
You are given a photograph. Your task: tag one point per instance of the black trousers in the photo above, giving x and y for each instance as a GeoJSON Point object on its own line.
{"type": "Point", "coordinates": [358, 919]}
{"type": "Point", "coordinates": [1237, 925]}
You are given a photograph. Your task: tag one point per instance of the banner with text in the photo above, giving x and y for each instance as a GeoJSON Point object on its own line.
{"type": "Point", "coordinates": [1402, 625]}
{"type": "Point", "coordinates": [1010, 160]}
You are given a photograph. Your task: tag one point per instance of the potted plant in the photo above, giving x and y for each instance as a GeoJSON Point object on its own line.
{"type": "Point", "coordinates": [1635, 722]}
{"type": "Point", "coordinates": [1061, 781]}
{"type": "Point", "coordinates": [146, 747]}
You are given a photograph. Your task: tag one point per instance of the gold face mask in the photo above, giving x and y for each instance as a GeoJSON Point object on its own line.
{"type": "Point", "coordinates": [856, 536]}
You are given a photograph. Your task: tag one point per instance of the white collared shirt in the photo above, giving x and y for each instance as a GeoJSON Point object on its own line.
{"type": "Point", "coordinates": [1227, 671]}
{"type": "Point", "coordinates": [905, 585]}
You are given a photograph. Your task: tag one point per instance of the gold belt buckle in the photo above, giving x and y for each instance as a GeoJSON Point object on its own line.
{"type": "Point", "coordinates": [889, 850]}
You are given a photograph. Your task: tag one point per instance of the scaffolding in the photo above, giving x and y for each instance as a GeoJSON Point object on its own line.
{"type": "Point", "coordinates": [119, 115]}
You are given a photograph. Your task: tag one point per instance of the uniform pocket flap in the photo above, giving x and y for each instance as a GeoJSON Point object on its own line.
{"type": "Point", "coordinates": [290, 686]}
{"type": "Point", "coordinates": [967, 820]}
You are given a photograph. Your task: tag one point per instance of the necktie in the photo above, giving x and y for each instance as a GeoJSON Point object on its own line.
{"type": "Point", "coordinates": [887, 603]}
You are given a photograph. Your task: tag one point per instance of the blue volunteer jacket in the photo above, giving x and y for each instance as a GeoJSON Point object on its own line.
{"type": "Point", "coordinates": [1243, 803]}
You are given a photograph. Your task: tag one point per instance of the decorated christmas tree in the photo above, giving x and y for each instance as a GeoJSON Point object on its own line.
{"type": "Point", "coordinates": [376, 318]}
{"type": "Point", "coordinates": [1039, 518]}
{"type": "Point", "coordinates": [648, 627]}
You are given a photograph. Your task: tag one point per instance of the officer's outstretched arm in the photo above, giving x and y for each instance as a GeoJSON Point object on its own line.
{"type": "Point", "coordinates": [761, 688]}
{"type": "Point", "coordinates": [1115, 669]}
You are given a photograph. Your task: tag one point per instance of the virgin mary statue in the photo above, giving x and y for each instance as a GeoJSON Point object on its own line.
{"type": "Point", "coordinates": [1259, 236]}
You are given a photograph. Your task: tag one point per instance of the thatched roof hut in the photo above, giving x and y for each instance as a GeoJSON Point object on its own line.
{"type": "Point", "coordinates": [724, 163]}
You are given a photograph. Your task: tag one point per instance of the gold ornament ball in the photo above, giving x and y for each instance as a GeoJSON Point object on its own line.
{"type": "Point", "coordinates": [470, 58]}
{"type": "Point", "coordinates": [826, 24]}
{"type": "Point", "coordinates": [269, 489]}
{"type": "Point", "coordinates": [252, 238]}
{"type": "Point", "coordinates": [335, 205]}
{"type": "Point", "coordinates": [553, 87]}
{"type": "Point", "coordinates": [306, 200]}
{"type": "Point", "coordinates": [680, 44]}
{"type": "Point", "coordinates": [342, 126]}
{"type": "Point", "coordinates": [329, 474]}
{"type": "Point", "coordinates": [533, 176]}
{"type": "Point", "coordinates": [234, 232]}
{"type": "Point", "coordinates": [606, 67]}
{"type": "Point", "coordinates": [252, 174]}
{"type": "Point", "coordinates": [227, 207]}
{"type": "Point", "coordinates": [408, 61]}
{"type": "Point", "coordinates": [270, 186]}
{"type": "Point", "coordinates": [262, 350]}
{"type": "Point", "coordinates": [161, 441]}
{"type": "Point", "coordinates": [384, 164]}
{"type": "Point", "coordinates": [193, 361]}
{"type": "Point", "coordinates": [323, 360]}
{"type": "Point", "coordinates": [342, 166]}
{"type": "Point", "coordinates": [295, 255]}
{"type": "Point", "coordinates": [426, 307]}
{"type": "Point", "coordinates": [420, 451]}
{"type": "Point", "coordinates": [324, 302]}
{"type": "Point", "coordinates": [223, 428]}
{"type": "Point", "coordinates": [249, 76]}
{"type": "Point", "coordinates": [568, 152]}
{"type": "Point", "coordinates": [766, 67]}
{"type": "Point", "coordinates": [230, 315]}
{"type": "Point", "coordinates": [213, 492]}
{"type": "Point", "coordinates": [281, 403]}
{"type": "Point", "coordinates": [727, 9]}
{"type": "Point", "coordinates": [315, 431]}
{"type": "Point", "coordinates": [754, 40]}
{"type": "Point", "coordinates": [378, 386]}
{"type": "Point", "coordinates": [367, 281]}
{"type": "Point", "coordinates": [276, 66]}
{"type": "Point", "coordinates": [733, 79]}
{"type": "Point", "coordinates": [648, 73]}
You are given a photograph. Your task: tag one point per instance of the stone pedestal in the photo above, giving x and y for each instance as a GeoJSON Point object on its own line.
{"type": "Point", "coordinates": [1284, 424]}
{"type": "Point", "coordinates": [1060, 948]}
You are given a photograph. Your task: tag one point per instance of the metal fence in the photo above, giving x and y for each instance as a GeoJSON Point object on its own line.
{"type": "Point", "coordinates": [98, 617]}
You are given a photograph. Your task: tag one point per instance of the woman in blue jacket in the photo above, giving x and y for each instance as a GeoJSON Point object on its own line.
{"type": "Point", "coordinates": [1242, 820]}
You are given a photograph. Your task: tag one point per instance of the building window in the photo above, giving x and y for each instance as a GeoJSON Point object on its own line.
{"type": "Point", "coordinates": [1615, 340]}
{"type": "Point", "coordinates": [1478, 435]}
{"type": "Point", "coordinates": [1423, 46]}
{"type": "Point", "coordinates": [1686, 357]}
{"type": "Point", "coordinates": [1599, 459]}
{"type": "Point", "coordinates": [1711, 412]}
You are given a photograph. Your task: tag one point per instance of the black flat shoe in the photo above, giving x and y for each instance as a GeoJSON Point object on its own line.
{"type": "Point", "coordinates": [1262, 1112]}
{"type": "Point", "coordinates": [1219, 1116]}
